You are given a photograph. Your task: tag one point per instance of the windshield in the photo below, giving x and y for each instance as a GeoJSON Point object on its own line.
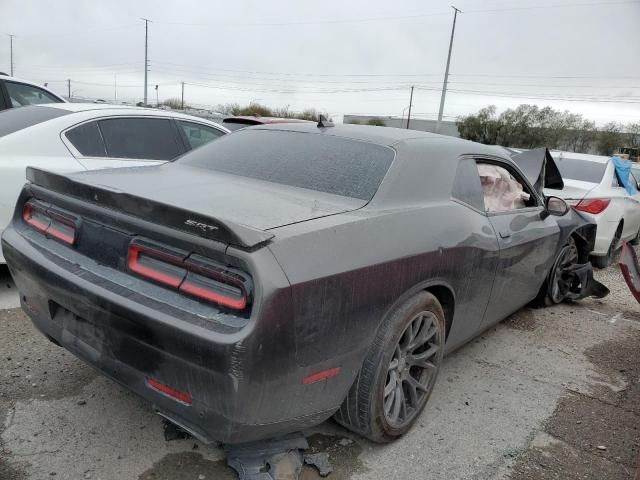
{"type": "Point", "coordinates": [15, 119]}
{"type": "Point", "coordinates": [581, 170]}
{"type": "Point", "coordinates": [323, 163]}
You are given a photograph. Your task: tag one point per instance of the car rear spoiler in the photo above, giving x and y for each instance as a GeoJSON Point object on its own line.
{"type": "Point", "coordinates": [162, 214]}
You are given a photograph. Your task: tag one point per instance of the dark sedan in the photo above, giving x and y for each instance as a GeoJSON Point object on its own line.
{"type": "Point", "coordinates": [289, 273]}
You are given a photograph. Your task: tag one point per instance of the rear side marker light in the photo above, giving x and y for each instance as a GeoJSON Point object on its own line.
{"type": "Point", "coordinates": [194, 276]}
{"type": "Point", "coordinates": [593, 205]}
{"type": "Point", "coordinates": [54, 224]}
{"type": "Point", "coordinates": [323, 375]}
{"type": "Point", "coordinates": [181, 397]}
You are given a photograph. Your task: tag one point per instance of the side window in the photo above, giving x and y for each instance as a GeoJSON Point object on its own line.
{"type": "Point", "coordinates": [503, 190]}
{"type": "Point", "coordinates": [143, 138]}
{"type": "Point", "coordinates": [21, 95]}
{"type": "Point", "coordinates": [466, 186]}
{"type": "Point", "coordinates": [87, 139]}
{"type": "Point", "coordinates": [197, 134]}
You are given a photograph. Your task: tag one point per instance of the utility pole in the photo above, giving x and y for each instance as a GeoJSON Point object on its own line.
{"type": "Point", "coordinates": [11, 50]}
{"type": "Point", "coordinates": [146, 56]}
{"type": "Point", "coordinates": [157, 98]}
{"type": "Point", "coordinates": [446, 71]}
{"type": "Point", "coordinates": [68, 88]}
{"type": "Point", "coordinates": [182, 98]}
{"type": "Point", "coordinates": [410, 103]}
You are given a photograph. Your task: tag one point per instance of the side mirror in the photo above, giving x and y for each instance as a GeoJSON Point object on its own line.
{"type": "Point", "coordinates": [556, 206]}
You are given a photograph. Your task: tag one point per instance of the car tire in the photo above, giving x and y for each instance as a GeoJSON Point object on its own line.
{"type": "Point", "coordinates": [604, 261]}
{"type": "Point", "coordinates": [636, 240]}
{"type": "Point", "coordinates": [555, 289]}
{"type": "Point", "coordinates": [399, 372]}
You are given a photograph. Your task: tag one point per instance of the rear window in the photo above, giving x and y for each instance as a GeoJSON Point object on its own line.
{"type": "Point", "coordinates": [15, 119]}
{"type": "Point", "coordinates": [582, 170]}
{"type": "Point", "coordinates": [339, 166]}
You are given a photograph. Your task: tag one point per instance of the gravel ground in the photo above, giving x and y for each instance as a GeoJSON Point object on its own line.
{"type": "Point", "coordinates": [548, 394]}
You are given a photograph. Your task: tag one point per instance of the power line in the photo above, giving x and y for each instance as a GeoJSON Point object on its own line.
{"type": "Point", "coordinates": [539, 97]}
{"type": "Point", "coordinates": [110, 66]}
{"type": "Point", "coordinates": [395, 17]}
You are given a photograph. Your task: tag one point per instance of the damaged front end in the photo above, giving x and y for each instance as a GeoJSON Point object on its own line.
{"type": "Point", "coordinates": [576, 281]}
{"type": "Point", "coordinates": [571, 277]}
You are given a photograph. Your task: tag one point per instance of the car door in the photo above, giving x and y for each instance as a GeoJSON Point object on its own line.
{"type": "Point", "coordinates": [124, 142]}
{"type": "Point", "coordinates": [527, 238]}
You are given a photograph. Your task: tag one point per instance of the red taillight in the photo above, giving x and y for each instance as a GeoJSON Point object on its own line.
{"type": "Point", "coordinates": [194, 276]}
{"type": "Point", "coordinates": [182, 397]}
{"type": "Point", "coordinates": [593, 205]}
{"type": "Point", "coordinates": [53, 223]}
{"type": "Point", "coordinates": [156, 265]}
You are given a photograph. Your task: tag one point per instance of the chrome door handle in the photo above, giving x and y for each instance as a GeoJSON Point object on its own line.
{"type": "Point", "coordinates": [505, 234]}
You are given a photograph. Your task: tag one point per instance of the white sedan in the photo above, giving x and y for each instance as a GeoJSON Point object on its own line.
{"type": "Point", "coordinates": [593, 188]}
{"type": "Point", "coordinates": [68, 137]}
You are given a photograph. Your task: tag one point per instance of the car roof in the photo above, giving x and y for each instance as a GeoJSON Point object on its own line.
{"type": "Point", "coordinates": [99, 109]}
{"type": "Point", "coordinates": [83, 107]}
{"type": "Point", "coordinates": [387, 136]}
{"type": "Point", "coordinates": [558, 154]}
{"type": "Point", "coordinates": [28, 82]}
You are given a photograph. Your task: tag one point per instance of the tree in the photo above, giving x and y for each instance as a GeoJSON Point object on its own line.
{"type": "Point", "coordinates": [376, 121]}
{"type": "Point", "coordinates": [610, 138]}
{"type": "Point", "coordinates": [633, 134]}
{"type": "Point", "coordinates": [482, 127]}
{"type": "Point", "coordinates": [588, 135]}
{"type": "Point", "coordinates": [529, 126]}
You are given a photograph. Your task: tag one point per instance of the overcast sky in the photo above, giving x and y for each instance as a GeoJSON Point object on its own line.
{"type": "Point", "coordinates": [355, 56]}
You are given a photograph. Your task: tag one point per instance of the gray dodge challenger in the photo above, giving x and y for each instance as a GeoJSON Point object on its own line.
{"type": "Point", "coordinates": [289, 273]}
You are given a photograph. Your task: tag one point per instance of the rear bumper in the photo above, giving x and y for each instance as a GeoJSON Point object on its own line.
{"type": "Point", "coordinates": [245, 383]}
{"type": "Point", "coordinates": [604, 234]}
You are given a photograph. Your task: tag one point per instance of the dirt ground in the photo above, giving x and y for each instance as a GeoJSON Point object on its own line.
{"type": "Point", "coordinates": [548, 394]}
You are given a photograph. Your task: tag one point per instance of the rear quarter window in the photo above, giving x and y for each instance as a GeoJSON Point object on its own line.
{"type": "Point", "coordinates": [581, 170]}
{"type": "Point", "coordinates": [87, 139]}
{"type": "Point", "coordinates": [467, 187]}
{"type": "Point", "coordinates": [324, 163]}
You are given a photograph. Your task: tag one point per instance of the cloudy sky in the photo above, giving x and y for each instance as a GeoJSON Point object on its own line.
{"type": "Point", "coordinates": [355, 56]}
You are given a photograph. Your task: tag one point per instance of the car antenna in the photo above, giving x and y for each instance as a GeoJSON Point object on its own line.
{"type": "Point", "coordinates": [323, 122]}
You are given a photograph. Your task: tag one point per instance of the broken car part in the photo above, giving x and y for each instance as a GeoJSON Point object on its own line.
{"type": "Point", "coordinates": [630, 269]}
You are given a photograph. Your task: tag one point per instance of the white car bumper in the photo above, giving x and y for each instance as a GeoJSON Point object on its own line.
{"type": "Point", "coordinates": [604, 235]}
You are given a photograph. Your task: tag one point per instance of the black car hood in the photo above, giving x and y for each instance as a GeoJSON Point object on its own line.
{"type": "Point", "coordinates": [539, 168]}
{"type": "Point", "coordinates": [254, 203]}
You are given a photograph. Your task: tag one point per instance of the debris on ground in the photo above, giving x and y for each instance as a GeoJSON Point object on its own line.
{"type": "Point", "coordinates": [320, 461]}
{"type": "Point", "coordinates": [275, 459]}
